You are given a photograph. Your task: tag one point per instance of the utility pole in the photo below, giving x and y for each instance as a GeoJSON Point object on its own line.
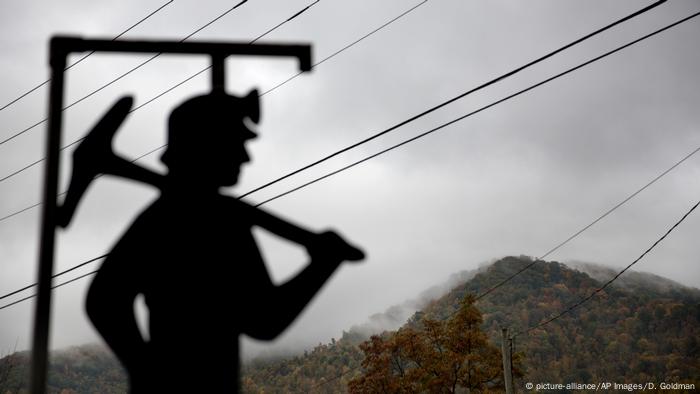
{"type": "Point", "coordinates": [507, 367]}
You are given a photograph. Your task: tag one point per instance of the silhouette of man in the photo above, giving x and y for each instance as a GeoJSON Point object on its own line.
{"type": "Point", "coordinates": [192, 255]}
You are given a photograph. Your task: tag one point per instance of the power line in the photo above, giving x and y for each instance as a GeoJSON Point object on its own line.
{"type": "Point", "coordinates": [623, 201]}
{"type": "Point", "coordinates": [568, 239]}
{"type": "Point", "coordinates": [207, 68]}
{"type": "Point", "coordinates": [204, 70]}
{"type": "Point", "coordinates": [572, 307]}
{"type": "Point", "coordinates": [352, 44]}
{"type": "Point", "coordinates": [560, 244]}
{"type": "Point", "coordinates": [170, 89]}
{"type": "Point", "coordinates": [598, 290]}
{"type": "Point", "coordinates": [531, 87]}
{"type": "Point", "coordinates": [287, 20]}
{"type": "Point", "coordinates": [28, 166]}
{"type": "Point", "coordinates": [491, 105]}
{"type": "Point", "coordinates": [53, 287]}
{"type": "Point", "coordinates": [120, 76]}
{"type": "Point", "coordinates": [55, 275]}
{"type": "Point", "coordinates": [589, 225]}
{"type": "Point", "coordinates": [158, 95]}
{"type": "Point", "coordinates": [134, 160]}
{"type": "Point", "coordinates": [288, 79]}
{"type": "Point", "coordinates": [455, 120]}
{"type": "Point", "coordinates": [334, 54]}
{"type": "Point", "coordinates": [459, 96]}
{"type": "Point", "coordinates": [8, 216]}
{"type": "Point", "coordinates": [85, 56]}
{"type": "Point", "coordinates": [506, 75]}
{"type": "Point", "coordinates": [25, 209]}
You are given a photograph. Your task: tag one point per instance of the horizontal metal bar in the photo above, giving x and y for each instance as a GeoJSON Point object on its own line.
{"type": "Point", "coordinates": [63, 45]}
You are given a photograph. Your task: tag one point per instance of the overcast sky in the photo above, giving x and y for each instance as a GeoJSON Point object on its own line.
{"type": "Point", "coordinates": [515, 179]}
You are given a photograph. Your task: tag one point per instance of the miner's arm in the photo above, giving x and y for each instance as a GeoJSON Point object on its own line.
{"type": "Point", "coordinates": [315, 243]}
{"type": "Point", "coordinates": [110, 307]}
{"type": "Point", "coordinates": [282, 304]}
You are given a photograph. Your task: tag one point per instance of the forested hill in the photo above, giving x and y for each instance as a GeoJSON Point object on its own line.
{"type": "Point", "coordinates": [80, 369]}
{"type": "Point", "coordinates": [627, 333]}
{"type": "Point", "coordinates": [641, 329]}
{"type": "Point", "coordinates": [638, 331]}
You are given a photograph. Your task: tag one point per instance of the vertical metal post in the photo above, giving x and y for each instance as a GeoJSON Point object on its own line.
{"type": "Point", "coordinates": [507, 369]}
{"type": "Point", "coordinates": [511, 349]}
{"type": "Point", "coordinates": [218, 78]}
{"type": "Point", "coordinates": [42, 317]}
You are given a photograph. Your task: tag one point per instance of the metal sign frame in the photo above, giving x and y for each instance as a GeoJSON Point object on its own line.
{"type": "Point", "coordinates": [59, 49]}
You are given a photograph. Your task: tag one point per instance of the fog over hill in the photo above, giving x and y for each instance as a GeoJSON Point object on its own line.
{"type": "Point", "coordinates": [396, 315]}
{"type": "Point", "coordinates": [644, 326]}
{"type": "Point", "coordinates": [630, 279]}
{"type": "Point", "coordinates": [518, 177]}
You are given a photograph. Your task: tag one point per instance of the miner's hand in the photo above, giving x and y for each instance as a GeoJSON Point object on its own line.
{"type": "Point", "coordinates": [329, 245]}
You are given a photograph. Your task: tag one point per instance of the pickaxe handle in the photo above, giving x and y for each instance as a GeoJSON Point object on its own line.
{"type": "Point", "coordinates": [95, 156]}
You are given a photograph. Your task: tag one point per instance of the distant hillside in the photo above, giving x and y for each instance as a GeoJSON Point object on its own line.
{"type": "Point", "coordinates": [397, 315]}
{"type": "Point", "coordinates": [642, 329]}
{"type": "Point", "coordinates": [80, 369]}
{"type": "Point", "coordinates": [627, 333]}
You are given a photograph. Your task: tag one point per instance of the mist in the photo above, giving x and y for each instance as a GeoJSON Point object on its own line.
{"type": "Point", "coordinates": [516, 179]}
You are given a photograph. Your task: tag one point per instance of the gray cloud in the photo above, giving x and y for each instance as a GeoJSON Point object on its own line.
{"type": "Point", "coordinates": [515, 179]}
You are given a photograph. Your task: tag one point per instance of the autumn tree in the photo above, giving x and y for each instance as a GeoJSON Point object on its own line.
{"type": "Point", "coordinates": [435, 356]}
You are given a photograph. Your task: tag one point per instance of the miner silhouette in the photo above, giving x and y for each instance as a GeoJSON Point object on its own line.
{"type": "Point", "coordinates": [191, 253]}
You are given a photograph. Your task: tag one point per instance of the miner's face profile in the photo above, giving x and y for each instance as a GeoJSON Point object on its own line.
{"type": "Point", "coordinates": [229, 156]}
{"type": "Point", "coordinates": [207, 139]}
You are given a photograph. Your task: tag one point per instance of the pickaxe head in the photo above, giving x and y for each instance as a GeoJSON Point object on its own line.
{"type": "Point", "coordinates": [94, 156]}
